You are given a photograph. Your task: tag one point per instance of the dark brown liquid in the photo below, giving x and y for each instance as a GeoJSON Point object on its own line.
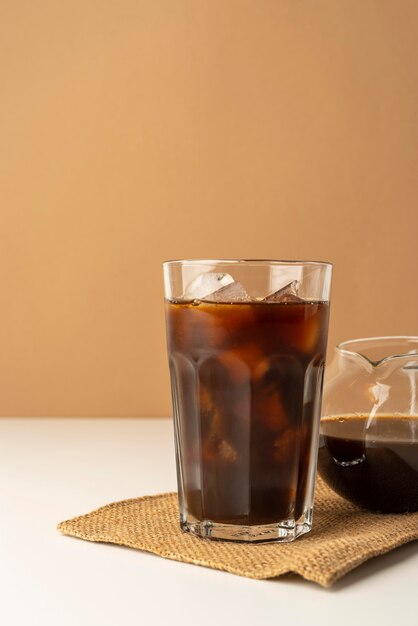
{"type": "Point", "coordinates": [246, 382]}
{"type": "Point", "coordinates": [375, 464]}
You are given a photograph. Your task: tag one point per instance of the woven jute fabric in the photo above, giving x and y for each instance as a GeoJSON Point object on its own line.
{"type": "Point", "coordinates": [342, 538]}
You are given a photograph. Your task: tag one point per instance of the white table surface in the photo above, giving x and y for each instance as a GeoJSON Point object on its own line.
{"type": "Point", "coordinates": [54, 469]}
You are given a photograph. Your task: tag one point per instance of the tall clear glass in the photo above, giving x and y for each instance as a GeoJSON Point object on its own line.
{"type": "Point", "coordinates": [246, 345]}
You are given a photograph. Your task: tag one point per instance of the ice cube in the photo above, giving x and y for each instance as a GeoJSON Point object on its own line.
{"type": "Point", "coordinates": [287, 294]}
{"type": "Point", "coordinates": [233, 292]}
{"type": "Point", "coordinates": [205, 284]}
{"type": "Point", "coordinates": [285, 446]}
{"type": "Point", "coordinates": [226, 452]}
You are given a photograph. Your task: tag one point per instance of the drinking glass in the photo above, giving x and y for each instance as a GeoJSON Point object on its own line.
{"type": "Point", "coordinates": [246, 345]}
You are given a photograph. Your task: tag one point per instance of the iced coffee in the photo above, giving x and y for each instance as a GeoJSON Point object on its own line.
{"type": "Point", "coordinates": [246, 376]}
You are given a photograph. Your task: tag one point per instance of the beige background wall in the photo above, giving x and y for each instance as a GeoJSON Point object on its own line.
{"type": "Point", "coordinates": [140, 130]}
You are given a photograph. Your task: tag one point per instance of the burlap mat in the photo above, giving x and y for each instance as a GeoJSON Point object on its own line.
{"type": "Point", "coordinates": [342, 538]}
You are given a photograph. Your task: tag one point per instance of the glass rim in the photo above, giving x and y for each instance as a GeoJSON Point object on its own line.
{"type": "Point", "coordinates": [253, 262]}
{"type": "Point", "coordinates": [343, 351]}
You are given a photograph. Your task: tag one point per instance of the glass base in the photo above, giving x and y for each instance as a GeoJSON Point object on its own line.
{"type": "Point", "coordinates": [283, 531]}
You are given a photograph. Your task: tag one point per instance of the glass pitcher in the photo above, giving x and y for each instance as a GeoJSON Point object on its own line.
{"type": "Point", "coordinates": [368, 450]}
